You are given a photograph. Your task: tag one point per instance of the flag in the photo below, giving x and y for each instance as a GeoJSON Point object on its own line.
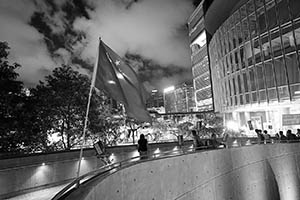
{"type": "Point", "coordinates": [120, 82]}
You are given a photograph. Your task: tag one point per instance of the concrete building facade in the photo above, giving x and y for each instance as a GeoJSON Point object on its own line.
{"type": "Point", "coordinates": [254, 59]}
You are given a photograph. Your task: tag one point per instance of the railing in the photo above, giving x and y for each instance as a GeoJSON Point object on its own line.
{"type": "Point", "coordinates": [111, 168]}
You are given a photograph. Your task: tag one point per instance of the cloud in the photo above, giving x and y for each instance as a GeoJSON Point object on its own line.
{"type": "Point", "coordinates": [27, 44]}
{"type": "Point", "coordinates": [154, 29]}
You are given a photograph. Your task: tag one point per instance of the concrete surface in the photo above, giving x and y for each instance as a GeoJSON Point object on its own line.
{"type": "Point", "coordinates": [23, 174]}
{"type": "Point", "coordinates": [258, 172]}
{"type": "Point", "coordinates": [45, 194]}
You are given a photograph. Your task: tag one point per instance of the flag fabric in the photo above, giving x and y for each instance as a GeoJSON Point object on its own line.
{"type": "Point", "coordinates": [120, 82]}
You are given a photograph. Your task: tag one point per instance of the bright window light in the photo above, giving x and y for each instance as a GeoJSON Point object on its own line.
{"type": "Point", "coordinates": [169, 89]}
{"type": "Point", "coordinates": [232, 125]}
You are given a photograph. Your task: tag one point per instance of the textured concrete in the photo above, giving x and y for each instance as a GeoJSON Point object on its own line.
{"type": "Point", "coordinates": [44, 194]}
{"type": "Point", "coordinates": [27, 174]}
{"type": "Point", "coordinates": [260, 172]}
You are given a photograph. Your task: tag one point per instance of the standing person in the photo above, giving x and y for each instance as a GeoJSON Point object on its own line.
{"type": "Point", "coordinates": [197, 141]}
{"type": "Point", "coordinates": [266, 136]}
{"type": "Point", "coordinates": [143, 146]}
{"type": "Point", "coordinates": [260, 137]}
{"type": "Point", "coordinates": [277, 138]}
{"type": "Point", "coordinates": [298, 132]}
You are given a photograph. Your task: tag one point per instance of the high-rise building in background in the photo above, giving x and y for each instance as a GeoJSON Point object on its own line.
{"type": "Point", "coordinates": [199, 58]}
{"type": "Point", "coordinates": [156, 101]}
{"type": "Point", "coordinates": [179, 99]}
{"type": "Point", "coordinates": [255, 62]}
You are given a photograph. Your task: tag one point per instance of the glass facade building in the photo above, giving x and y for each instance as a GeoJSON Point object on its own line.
{"type": "Point", "coordinates": [199, 58]}
{"type": "Point", "coordinates": [255, 63]}
{"type": "Point", "coordinates": [181, 99]}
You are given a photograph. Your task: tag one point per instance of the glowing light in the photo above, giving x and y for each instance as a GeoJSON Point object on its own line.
{"type": "Point", "coordinates": [232, 125]}
{"type": "Point", "coordinates": [235, 143]}
{"type": "Point", "coordinates": [201, 40]}
{"type": "Point", "coordinates": [297, 92]}
{"type": "Point", "coordinates": [135, 153]}
{"type": "Point", "coordinates": [120, 76]}
{"type": "Point", "coordinates": [43, 164]}
{"type": "Point", "coordinates": [111, 82]}
{"type": "Point", "coordinates": [154, 91]}
{"type": "Point", "coordinates": [82, 158]}
{"type": "Point", "coordinates": [112, 157]}
{"type": "Point", "coordinates": [157, 150]}
{"type": "Point", "coordinates": [169, 89]}
{"type": "Point", "coordinates": [248, 143]}
{"type": "Point", "coordinates": [175, 148]}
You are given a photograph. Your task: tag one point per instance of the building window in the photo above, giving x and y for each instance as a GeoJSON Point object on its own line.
{"type": "Point", "coordinates": [280, 72]}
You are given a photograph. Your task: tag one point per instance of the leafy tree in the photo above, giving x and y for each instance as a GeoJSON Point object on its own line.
{"type": "Point", "coordinates": [211, 123]}
{"type": "Point", "coordinates": [18, 132]}
{"type": "Point", "coordinates": [106, 126]}
{"type": "Point", "coordinates": [62, 103]}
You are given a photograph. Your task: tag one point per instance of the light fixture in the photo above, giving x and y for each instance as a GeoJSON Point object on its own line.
{"type": "Point", "coordinates": [232, 125]}
{"type": "Point", "coordinates": [111, 82]}
{"type": "Point", "coordinates": [157, 150]}
{"type": "Point", "coordinates": [169, 89]}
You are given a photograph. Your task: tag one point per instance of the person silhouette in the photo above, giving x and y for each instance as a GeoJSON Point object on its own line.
{"type": "Point", "coordinates": [143, 146]}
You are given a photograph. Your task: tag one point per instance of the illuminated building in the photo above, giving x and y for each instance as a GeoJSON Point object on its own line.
{"type": "Point", "coordinates": [179, 99]}
{"type": "Point", "coordinates": [199, 58]}
{"type": "Point", "coordinates": [254, 60]}
{"type": "Point", "coordinates": [155, 101]}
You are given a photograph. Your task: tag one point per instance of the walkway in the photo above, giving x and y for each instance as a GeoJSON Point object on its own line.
{"type": "Point", "coordinates": [45, 194]}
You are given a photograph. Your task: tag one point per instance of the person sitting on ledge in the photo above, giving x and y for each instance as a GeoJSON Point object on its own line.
{"type": "Point", "coordinates": [214, 142]}
{"type": "Point", "coordinates": [196, 140]}
{"type": "Point", "coordinates": [290, 136]}
{"type": "Point", "coordinates": [282, 137]}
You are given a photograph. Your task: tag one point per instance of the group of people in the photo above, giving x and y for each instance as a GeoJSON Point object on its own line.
{"type": "Point", "coordinates": [264, 136]}
{"type": "Point", "coordinates": [142, 145]}
{"type": "Point", "coordinates": [207, 143]}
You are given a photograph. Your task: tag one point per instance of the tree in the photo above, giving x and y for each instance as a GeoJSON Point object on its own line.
{"type": "Point", "coordinates": [211, 123]}
{"type": "Point", "coordinates": [106, 126]}
{"type": "Point", "coordinates": [17, 130]}
{"type": "Point", "coordinates": [62, 103]}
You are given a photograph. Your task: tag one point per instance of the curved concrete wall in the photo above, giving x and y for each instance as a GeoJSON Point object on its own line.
{"type": "Point", "coordinates": [28, 173]}
{"type": "Point", "coordinates": [260, 172]}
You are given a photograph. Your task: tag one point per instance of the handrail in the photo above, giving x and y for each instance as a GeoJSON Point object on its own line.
{"type": "Point", "coordinates": [107, 168]}
{"type": "Point", "coordinates": [137, 159]}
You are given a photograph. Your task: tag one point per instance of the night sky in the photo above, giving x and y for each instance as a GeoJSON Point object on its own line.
{"type": "Point", "coordinates": [151, 35]}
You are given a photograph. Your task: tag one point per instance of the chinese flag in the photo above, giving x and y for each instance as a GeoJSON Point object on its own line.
{"type": "Point", "coordinates": [120, 82]}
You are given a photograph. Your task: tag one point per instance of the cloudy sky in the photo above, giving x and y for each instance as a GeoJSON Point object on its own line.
{"type": "Point", "coordinates": [151, 34]}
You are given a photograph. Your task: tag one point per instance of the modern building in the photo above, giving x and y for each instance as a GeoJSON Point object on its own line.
{"type": "Point", "coordinates": [199, 58]}
{"type": "Point", "coordinates": [156, 101]}
{"type": "Point", "coordinates": [179, 99]}
{"type": "Point", "coordinates": [254, 59]}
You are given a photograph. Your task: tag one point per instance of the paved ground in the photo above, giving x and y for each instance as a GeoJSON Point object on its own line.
{"type": "Point", "coordinates": [45, 194]}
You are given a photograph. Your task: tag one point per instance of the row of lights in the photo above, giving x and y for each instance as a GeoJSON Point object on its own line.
{"type": "Point", "coordinates": [43, 164]}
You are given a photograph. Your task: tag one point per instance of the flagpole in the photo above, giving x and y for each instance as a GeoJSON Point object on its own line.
{"type": "Point", "coordinates": [87, 113]}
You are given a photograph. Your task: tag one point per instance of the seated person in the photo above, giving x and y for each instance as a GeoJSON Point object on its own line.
{"type": "Point", "coordinates": [214, 142]}
{"type": "Point", "coordinates": [197, 141]}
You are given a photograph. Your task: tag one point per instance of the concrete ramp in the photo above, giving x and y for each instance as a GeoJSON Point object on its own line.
{"type": "Point", "coordinates": [258, 172]}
